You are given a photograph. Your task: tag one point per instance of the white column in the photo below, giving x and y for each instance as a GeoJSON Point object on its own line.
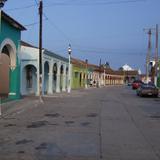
{"type": "Point", "coordinates": [64, 79]}
{"type": "Point", "coordinates": [37, 93]}
{"type": "Point", "coordinates": [69, 75]}
{"type": "Point", "coordinates": [58, 78]}
{"type": "Point", "coordinates": [50, 80]}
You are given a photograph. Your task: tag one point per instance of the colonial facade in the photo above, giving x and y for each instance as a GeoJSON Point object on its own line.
{"type": "Point", "coordinates": [24, 66]}
{"type": "Point", "coordinates": [109, 76]}
{"type": "Point", "coordinates": [86, 75]}
{"type": "Point", "coordinates": [10, 35]}
{"type": "Point", "coordinates": [54, 71]}
{"type": "Point", "coordinates": [79, 73]}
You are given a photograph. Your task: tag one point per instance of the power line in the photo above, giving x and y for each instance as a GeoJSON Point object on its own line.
{"type": "Point", "coordinates": [53, 24]}
{"type": "Point", "coordinates": [73, 3]}
{"type": "Point", "coordinates": [89, 3]}
{"type": "Point", "coordinates": [36, 2]}
{"type": "Point", "coordinates": [34, 23]}
{"type": "Point", "coordinates": [21, 8]}
{"type": "Point", "coordinates": [107, 52]}
{"type": "Point", "coordinates": [56, 27]}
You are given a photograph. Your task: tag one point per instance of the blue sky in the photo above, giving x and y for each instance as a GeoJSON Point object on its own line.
{"type": "Point", "coordinates": [112, 32]}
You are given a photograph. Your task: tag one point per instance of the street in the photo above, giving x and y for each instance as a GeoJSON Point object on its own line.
{"type": "Point", "coordinates": [110, 123]}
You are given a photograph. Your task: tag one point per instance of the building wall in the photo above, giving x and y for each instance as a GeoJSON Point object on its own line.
{"type": "Point", "coordinates": [78, 80]}
{"type": "Point", "coordinates": [30, 56]}
{"type": "Point", "coordinates": [14, 35]}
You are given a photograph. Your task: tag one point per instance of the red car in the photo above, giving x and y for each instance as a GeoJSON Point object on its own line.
{"type": "Point", "coordinates": [136, 84]}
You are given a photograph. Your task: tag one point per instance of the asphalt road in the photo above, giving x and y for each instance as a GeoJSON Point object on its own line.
{"type": "Point", "coordinates": [109, 123]}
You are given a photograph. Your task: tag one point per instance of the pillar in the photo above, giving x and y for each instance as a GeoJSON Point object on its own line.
{"type": "Point", "coordinates": [58, 78]}
{"type": "Point", "coordinates": [50, 80]}
{"type": "Point", "coordinates": [64, 79]}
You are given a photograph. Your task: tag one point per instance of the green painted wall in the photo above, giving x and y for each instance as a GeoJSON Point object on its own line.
{"type": "Point", "coordinates": [8, 31]}
{"type": "Point", "coordinates": [77, 74]}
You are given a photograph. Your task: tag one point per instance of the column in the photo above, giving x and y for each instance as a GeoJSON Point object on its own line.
{"type": "Point", "coordinates": [50, 80]}
{"type": "Point", "coordinates": [69, 76]}
{"type": "Point", "coordinates": [64, 79]}
{"type": "Point", "coordinates": [37, 93]}
{"type": "Point", "coordinates": [58, 78]}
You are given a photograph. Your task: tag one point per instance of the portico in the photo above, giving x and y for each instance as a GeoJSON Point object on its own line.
{"type": "Point", "coordinates": [54, 71]}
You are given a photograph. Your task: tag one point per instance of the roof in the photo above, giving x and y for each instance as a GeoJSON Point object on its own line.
{"type": "Point", "coordinates": [50, 53]}
{"type": "Point", "coordinates": [78, 62]}
{"type": "Point", "coordinates": [13, 22]}
{"type": "Point", "coordinates": [131, 73]}
{"type": "Point", "coordinates": [23, 43]}
{"type": "Point", "coordinates": [96, 68]}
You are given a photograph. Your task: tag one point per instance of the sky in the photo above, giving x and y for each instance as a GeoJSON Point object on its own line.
{"type": "Point", "coordinates": [111, 30]}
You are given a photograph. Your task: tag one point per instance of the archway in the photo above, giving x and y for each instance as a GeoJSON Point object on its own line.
{"type": "Point", "coordinates": [54, 76]}
{"type": "Point", "coordinates": [46, 77]}
{"type": "Point", "coordinates": [8, 47]}
{"type": "Point", "coordinates": [29, 82]}
{"type": "Point", "coordinates": [10, 51]}
{"type": "Point", "coordinates": [61, 77]}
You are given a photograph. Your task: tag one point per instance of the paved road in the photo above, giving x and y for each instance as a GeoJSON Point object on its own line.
{"type": "Point", "coordinates": [110, 123]}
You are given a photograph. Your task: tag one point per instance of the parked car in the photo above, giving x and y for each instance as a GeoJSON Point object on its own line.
{"type": "Point", "coordinates": [148, 90]}
{"type": "Point", "coordinates": [136, 84]}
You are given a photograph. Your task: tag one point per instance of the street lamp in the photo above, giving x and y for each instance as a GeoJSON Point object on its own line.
{"type": "Point", "coordinates": [2, 3]}
{"type": "Point", "coordinates": [69, 68]}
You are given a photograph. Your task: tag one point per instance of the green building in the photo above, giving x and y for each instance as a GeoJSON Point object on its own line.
{"type": "Point", "coordinates": [79, 73]}
{"type": "Point", "coordinates": [10, 36]}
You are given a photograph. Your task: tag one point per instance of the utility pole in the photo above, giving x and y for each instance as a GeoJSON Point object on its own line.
{"type": "Point", "coordinates": [150, 31]}
{"type": "Point", "coordinates": [148, 55]}
{"type": "Point", "coordinates": [156, 56]}
{"type": "Point", "coordinates": [40, 49]}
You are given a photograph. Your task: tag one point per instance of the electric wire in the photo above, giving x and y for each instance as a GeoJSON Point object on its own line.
{"type": "Point", "coordinates": [95, 51]}
{"type": "Point", "coordinates": [77, 3]}
{"type": "Point", "coordinates": [93, 4]}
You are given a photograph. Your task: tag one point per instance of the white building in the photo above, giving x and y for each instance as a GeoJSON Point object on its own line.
{"type": "Point", "coordinates": [54, 71]}
{"type": "Point", "coordinates": [126, 67]}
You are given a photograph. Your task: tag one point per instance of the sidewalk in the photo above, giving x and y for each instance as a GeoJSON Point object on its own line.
{"type": "Point", "coordinates": [18, 106]}
{"type": "Point", "coordinates": [27, 102]}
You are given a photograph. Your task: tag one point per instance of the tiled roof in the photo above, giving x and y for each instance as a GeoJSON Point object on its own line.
{"type": "Point", "coordinates": [131, 73]}
{"type": "Point", "coordinates": [96, 68]}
